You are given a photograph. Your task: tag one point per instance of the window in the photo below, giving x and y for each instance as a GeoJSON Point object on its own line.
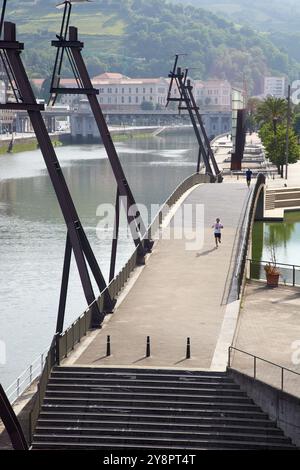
{"type": "Point", "coordinates": [136, 99]}
{"type": "Point", "coordinates": [123, 91]}
{"type": "Point", "coordinates": [109, 90]}
{"type": "Point", "coordinates": [129, 90]}
{"type": "Point", "coordinates": [129, 99]}
{"type": "Point", "coordinates": [144, 90]}
{"type": "Point", "coordinates": [123, 99]}
{"type": "Point", "coordinates": [136, 90]}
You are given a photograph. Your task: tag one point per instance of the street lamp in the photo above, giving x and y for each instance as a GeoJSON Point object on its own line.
{"type": "Point", "coordinates": [288, 132]}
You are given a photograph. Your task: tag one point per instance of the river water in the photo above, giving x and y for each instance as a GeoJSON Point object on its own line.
{"type": "Point", "coordinates": [33, 232]}
{"type": "Point", "coordinates": [281, 239]}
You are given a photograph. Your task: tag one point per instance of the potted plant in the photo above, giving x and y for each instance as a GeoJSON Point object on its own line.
{"type": "Point", "coordinates": [271, 269]}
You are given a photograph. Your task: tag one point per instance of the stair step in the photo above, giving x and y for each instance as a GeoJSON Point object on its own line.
{"type": "Point", "coordinates": [140, 371]}
{"type": "Point", "coordinates": [94, 433]}
{"type": "Point", "coordinates": [161, 441]}
{"type": "Point", "coordinates": [170, 402]}
{"type": "Point", "coordinates": [164, 415]}
{"type": "Point", "coordinates": [145, 375]}
{"type": "Point", "coordinates": [94, 390]}
{"type": "Point", "coordinates": [152, 383]}
{"type": "Point", "coordinates": [70, 425]}
{"type": "Point", "coordinates": [96, 397]}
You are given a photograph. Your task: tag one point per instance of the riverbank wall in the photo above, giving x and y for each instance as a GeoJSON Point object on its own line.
{"type": "Point", "coordinates": [25, 143]}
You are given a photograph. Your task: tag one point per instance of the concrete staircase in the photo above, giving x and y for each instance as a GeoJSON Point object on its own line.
{"type": "Point", "coordinates": [280, 198]}
{"type": "Point", "coordinates": [97, 408]}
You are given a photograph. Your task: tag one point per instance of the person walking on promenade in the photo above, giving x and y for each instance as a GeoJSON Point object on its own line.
{"type": "Point", "coordinates": [218, 232]}
{"type": "Point", "coordinates": [249, 177]}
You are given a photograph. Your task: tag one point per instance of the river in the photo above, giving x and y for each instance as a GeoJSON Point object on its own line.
{"type": "Point", "coordinates": [33, 232]}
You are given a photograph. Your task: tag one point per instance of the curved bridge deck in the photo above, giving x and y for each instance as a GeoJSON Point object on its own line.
{"type": "Point", "coordinates": [180, 293]}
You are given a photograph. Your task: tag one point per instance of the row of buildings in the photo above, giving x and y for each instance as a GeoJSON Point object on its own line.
{"type": "Point", "coordinates": [143, 100]}
{"type": "Point", "coordinates": [117, 92]}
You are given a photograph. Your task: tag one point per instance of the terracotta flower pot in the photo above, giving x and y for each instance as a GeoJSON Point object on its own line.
{"type": "Point", "coordinates": [273, 279]}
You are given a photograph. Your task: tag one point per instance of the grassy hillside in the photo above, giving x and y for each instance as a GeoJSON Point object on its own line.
{"type": "Point", "coordinates": [139, 37]}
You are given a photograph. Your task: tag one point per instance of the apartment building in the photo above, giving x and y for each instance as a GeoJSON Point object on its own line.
{"type": "Point", "coordinates": [275, 86]}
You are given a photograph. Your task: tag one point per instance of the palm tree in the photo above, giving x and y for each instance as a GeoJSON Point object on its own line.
{"type": "Point", "coordinates": [272, 111]}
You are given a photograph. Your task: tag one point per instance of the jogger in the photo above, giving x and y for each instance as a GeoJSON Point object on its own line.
{"type": "Point", "coordinates": [218, 232]}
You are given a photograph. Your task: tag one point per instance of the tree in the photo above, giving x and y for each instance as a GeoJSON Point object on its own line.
{"type": "Point", "coordinates": [296, 124]}
{"type": "Point", "coordinates": [272, 111]}
{"type": "Point", "coordinates": [275, 145]}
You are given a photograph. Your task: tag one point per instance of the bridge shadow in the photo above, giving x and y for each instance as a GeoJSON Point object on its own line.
{"type": "Point", "coordinates": [205, 253]}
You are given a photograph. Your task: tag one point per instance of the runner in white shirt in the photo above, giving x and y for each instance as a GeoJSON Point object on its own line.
{"type": "Point", "coordinates": [217, 231]}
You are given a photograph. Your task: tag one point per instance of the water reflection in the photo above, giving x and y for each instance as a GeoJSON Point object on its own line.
{"type": "Point", "coordinates": [284, 237]}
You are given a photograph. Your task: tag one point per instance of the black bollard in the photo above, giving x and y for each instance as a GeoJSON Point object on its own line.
{"type": "Point", "coordinates": [188, 348]}
{"type": "Point", "coordinates": [108, 352]}
{"type": "Point", "coordinates": [148, 347]}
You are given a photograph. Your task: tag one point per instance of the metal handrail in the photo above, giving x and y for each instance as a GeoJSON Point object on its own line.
{"type": "Point", "coordinates": [244, 240]}
{"type": "Point", "coordinates": [255, 359]}
{"type": "Point", "coordinates": [26, 379]}
{"type": "Point", "coordinates": [277, 264]}
{"type": "Point", "coordinates": [293, 268]}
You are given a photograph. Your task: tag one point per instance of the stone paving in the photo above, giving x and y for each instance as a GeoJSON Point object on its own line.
{"type": "Point", "coordinates": [269, 327]}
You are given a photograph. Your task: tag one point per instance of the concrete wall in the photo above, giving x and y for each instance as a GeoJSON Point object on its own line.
{"type": "Point", "coordinates": [280, 406]}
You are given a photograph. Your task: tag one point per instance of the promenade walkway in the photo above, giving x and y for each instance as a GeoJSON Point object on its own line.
{"type": "Point", "coordinates": [269, 327]}
{"type": "Point", "coordinates": [178, 294]}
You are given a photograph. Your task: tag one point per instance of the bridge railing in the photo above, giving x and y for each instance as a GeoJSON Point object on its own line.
{"type": "Point", "coordinates": [286, 380]}
{"type": "Point", "coordinates": [247, 225]}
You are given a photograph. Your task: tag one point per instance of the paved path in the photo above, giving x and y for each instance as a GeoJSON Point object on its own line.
{"type": "Point", "coordinates": [178, 294]}
{"type": "Point", "coordinates": [269, 327]}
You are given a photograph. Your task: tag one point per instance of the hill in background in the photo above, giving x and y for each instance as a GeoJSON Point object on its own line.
{"type": "Point", "coordinates": [279, 19]}
{"type": "Point", "coordinates": [139, 38]}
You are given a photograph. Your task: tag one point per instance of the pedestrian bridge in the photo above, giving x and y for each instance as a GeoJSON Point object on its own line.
{"type": "Point", "coordinates": [187, 289]}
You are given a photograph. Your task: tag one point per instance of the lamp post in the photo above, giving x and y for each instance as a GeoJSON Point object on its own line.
{"type": "Point", "coordinates": [288, 132]}
{"type": "Point", "coordinates": [275, 121]}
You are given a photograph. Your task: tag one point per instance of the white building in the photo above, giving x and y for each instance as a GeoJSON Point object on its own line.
{"type": "Point", "coordinates": [213, 93]}
{"type": "Point", "coordinates": [117, 91]}
{"type": "Point", "coordinates": [275, 86]}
